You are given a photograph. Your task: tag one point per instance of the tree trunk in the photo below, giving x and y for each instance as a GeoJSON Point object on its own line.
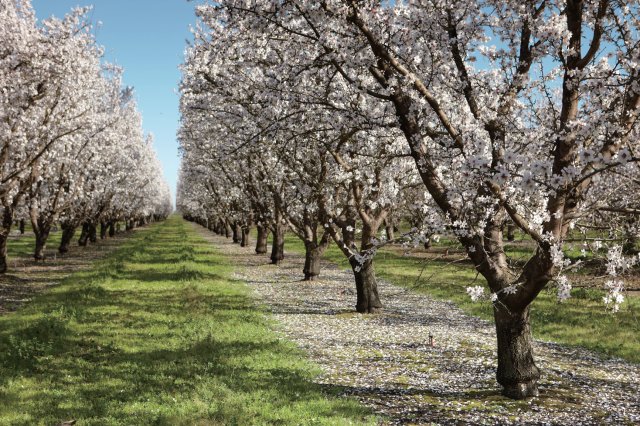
{"type": "Point", "coordinates": [261, 242]}
{"type": "Point", "coordinates": [368, 299]}
{"type": "Point", "coordinates": [517, 372]}
{"type": "Point", "coordinates": [84, 235]}
{"type": "Point", "coordinates": [4, 262]}
{"type": "Point", "coordinates": [112, 229]}
{"type": "Point", "coordinates": [103, 230]}
{"type": "Point", "coordinates": [42, 234]}
{"type": "Point", "coordinates": [246, 230]}
{"type": "Point", "coordinates": [7, 221]}
{"type": "Point", "coordinates": [312, 259]}
{"type": "Point", "coordinates": [93, 232]}
{"type": "Point", "coordinates": [389, 229]}
{"type": "Point", "coordinates": [511, 232]}
{"type": "Point", "coordinates": [22, 224]}
{"type": "Point", "coordinates": [277, 246]}
{"type": "Point", "coordinates": [227, 229]}
{"type": "Point", "coordinates": [237, 233]}
{"type": "Point", "coordinates": [68, 231]}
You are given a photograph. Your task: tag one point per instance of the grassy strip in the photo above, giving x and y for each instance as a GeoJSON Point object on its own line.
{"type": "Point", "coordinates": [580, 321]}
{"type": "Point", "coordinates": [158, 333]}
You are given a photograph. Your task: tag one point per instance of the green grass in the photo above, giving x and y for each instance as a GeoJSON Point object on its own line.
{"type": "Point", "coordinates": [157, 333]}
{"type": "Point", "coordinates": [580, 321]}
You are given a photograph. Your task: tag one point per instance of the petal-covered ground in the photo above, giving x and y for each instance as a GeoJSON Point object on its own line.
{"type": "Point", "coordinates": [385, 360]}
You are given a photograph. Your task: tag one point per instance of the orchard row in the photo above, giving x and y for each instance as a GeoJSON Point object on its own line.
{"type": "Point", "coordinates": [72, 148]}
{"type": "Point", "coordinates": [340, 119]}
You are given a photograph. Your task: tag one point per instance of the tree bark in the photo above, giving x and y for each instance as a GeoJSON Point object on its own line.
{"type": "Point", "coordinates": [389, 229]}
{"type": "Point", "coordinates": [511, 232]}
{"type": "Point", "coordinates": [103, 230]}
{"type": "Point", "coordinates": [277, 247]}
{"type": "Point", "coordinates": [246, 230]}
{"type": "Point", "coordinates": [68, 231]}
{"type": "Point", "coordinates": [517, 372]}
{"type": "Point", "coordinates": [368, 299]}
{"type": "Point", "coordinates": [84, 235]}
{"type": "Point", "coordinates": [7, 221]}
{"type": "Point", "coordinates": [112, 229]}
{"type": "Point", "coordinates": [237, 233]}
{"type": "Point", "coordinates": [42, 234]}
{"type": "Point", "coordinates": [313, 258]}
{"type": "Point", "coordinates": [93, 232]}
{"type": "Point", "coordinates": [261, 242]}
{"type": "Point", "coordinates": [22, 225]}
{"type": "Point", "coordinates": [228, 231]}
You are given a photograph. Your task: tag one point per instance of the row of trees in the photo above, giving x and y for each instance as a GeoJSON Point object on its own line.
{"type": "Point", "coordinates": [337, 118]}
{"type": "Point", "coordinates": [72, 149]}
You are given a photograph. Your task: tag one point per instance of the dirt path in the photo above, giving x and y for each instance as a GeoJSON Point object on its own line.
{"type": "Point", "coordinates": [385, 361]}
{"type": "Point", "coordinates": [27, 278]}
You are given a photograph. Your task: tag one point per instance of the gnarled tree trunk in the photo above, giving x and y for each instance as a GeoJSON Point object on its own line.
{"type": "Point", "coordinates": [103, 230]}
{"type": "Point", "coordinates": [112, 229]}
{"type": "Point", "coordinates": [517, 372]}
{"type": "Point", "coordinates": [22, 225]}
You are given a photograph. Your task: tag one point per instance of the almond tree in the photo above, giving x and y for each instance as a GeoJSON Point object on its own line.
{"type": "Point", "coordinates": [62, 117]}
{"type": "Point", "coordinates": [509, 110]}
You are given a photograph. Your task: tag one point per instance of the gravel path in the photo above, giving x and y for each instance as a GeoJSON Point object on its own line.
{"type": "Point", "coordinates": [385, 360]}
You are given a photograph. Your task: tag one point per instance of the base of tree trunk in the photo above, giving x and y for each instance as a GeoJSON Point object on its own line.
{"type": "Point", "coordinates": [41, 245]}
{"type": "Point", "coordinates": [4, 261]}
{"type": "Point", "coordinates": [237, 234]}
{"type": "Point", "coordinates": [517, 371]}
{"type": "Point", "coordinates": [368, 299]}
{"type": "Point", "coordinates": [277, 247]}
{"type": "Point", "coordinates": [312, 260]}
{"type": "Point", "coordinates": [245, 237]}
{"type": "Point", "coordinates": [521, 390]}
{"type": "Point", "coordinates": [68, 232]}
{"type": "Point", "coordinates": [261, 242]}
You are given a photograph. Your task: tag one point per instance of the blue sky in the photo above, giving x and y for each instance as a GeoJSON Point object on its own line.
{"type": "Point", "coordinates": [147, 38]}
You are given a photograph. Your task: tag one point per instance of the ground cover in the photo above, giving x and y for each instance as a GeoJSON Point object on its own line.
{"type": "Point", "coordinates": [157, 333]}
{"type": "Point", "coordinates": [386, 360]}
{"type": "Point", "coordinates": [444, 274]}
